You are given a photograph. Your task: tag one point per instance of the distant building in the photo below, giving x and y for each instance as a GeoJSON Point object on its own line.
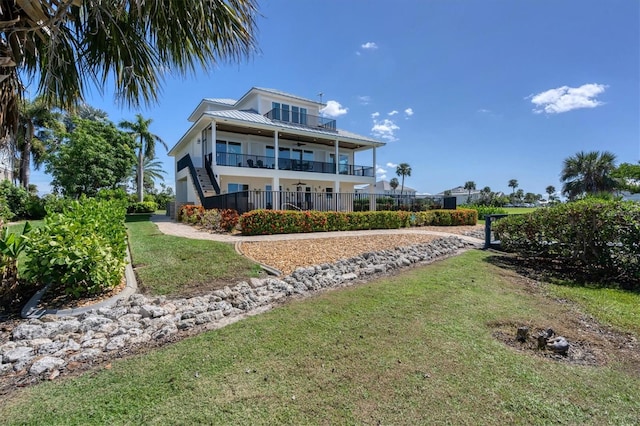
{"type": "Point", "coordinates": [6, 163]}
{"type": "Point", "coordinates": [382, 187]}
{"type": "Point", "coordinates": [463, 196]}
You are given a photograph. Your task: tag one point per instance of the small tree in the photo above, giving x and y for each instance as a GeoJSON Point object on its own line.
{"type": "Point", "coordinates": [403, 170]}
{"type": "Point", "coordinates": [589, 173]}
{"type": "Point", "coordinates": [469, 186]}
{"type": "Point", "coordinates": [95, 155]}
{"type": "Point", "coordinates": [393, 183]}
{"type": "Point", "coordinates": [551, 190]}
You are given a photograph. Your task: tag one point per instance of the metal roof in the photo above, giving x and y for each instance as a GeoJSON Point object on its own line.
{"type": "Point", "coordinates": [249, 117]}
{"type": "Point", "coordinates": [224, 101]}
{"type": "Point", "coordinates": [289, 95]}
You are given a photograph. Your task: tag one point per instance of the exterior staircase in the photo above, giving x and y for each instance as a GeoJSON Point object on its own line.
{"type": "Point", "coordinates": [205, 183]}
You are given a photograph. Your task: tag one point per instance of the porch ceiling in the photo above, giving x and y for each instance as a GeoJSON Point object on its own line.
{"type": "Point", "coordinates": [289, 136]}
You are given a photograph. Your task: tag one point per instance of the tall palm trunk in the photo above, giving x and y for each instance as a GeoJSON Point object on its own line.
{"type": "Point", "coordinates": [140, 173]}
{"type": "Point", "coordinates": [25, 158]}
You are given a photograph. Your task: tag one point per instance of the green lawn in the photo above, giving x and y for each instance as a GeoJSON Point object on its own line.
{"type": "Point", "coordinates": [416, 348]}
{"type": "Point", "coordinates": [170, 265]}
{"type": "Point", "coordinates": [520, 210]}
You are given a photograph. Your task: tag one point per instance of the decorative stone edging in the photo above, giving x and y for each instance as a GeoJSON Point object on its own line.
{"type": "Point", "coordinates": [41, 348]}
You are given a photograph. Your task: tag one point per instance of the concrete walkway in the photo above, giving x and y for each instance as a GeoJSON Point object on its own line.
{"type": "Point", "coordinates": [168, 226]}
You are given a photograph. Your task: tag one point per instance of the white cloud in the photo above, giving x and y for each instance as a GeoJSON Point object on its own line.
{"type": "Point", "coordinates": [392, 165]}
{"type": "Point", "coordinates": [375, 115]}
{"type": "Point", "coordinates": [385, 129]}
{"type": "Point", "coordinates": [364, 100]}
{"type": "Point", "coordinates": [334, 109]}
{"type": "Point", "coordinates": [408, 112]}
{"type": "Point", "coordinates": [380, 170]}
{"type": "Point", "coordinates": [369, 46]}
{"type": "Point", "coordinates": [392, 113]}
{"type": "Point", "coordinates": [565, 98]}
{"type": "Point", "coordinates": [484, 111]}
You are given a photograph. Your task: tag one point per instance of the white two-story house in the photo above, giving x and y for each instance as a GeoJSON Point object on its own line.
{"type": "Point", "coordinates": [271, 150]}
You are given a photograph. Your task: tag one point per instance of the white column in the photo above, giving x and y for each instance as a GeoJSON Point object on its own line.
{"type": "Point", "coordinates": [276, 149]}
{"type": "Point", "coordinates": [372, 198]}
{"type": "Point", "coordinates": [213, 143]}
{"type": "Point", "coordinates": [276, 192]}
{"type": "Point", "coordinates": [337, 157]}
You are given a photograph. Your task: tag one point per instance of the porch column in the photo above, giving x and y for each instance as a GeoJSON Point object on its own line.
{"type": "Point", "coordinates": [372, 198]}
{"type": "Point", "coordinates": [276, 150]}
{"type": "Point", "coordinates": [337, 157]}
{"type": "Point", "coordinates": [214, 159]}
{"type": "Point", "coordinates": [276, 192]}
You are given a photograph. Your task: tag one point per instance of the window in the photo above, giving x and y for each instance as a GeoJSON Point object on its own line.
{"type": "Point", "coordinates": [329, 192]}
{"type": "Point", "coordinates": [228, 153]}
{"type": "Point", "coordinates": [295, 114]}
{"type": "Point", "coordinates": [344, 164]}
{"type": "Point", "coordinates": [303, 116]}
{"type": "Point", "coordinates": [285, 112]}
{"type": "Point", "coordinates": [288, 113]}
{"type": "Point", "coordinates": [236, 187]}
{"type": "Point", "coordinates": [275, 106]}
{"type": "Point", "coordinates": [271, 157]}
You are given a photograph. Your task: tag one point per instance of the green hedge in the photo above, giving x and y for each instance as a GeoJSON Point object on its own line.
{"type": "Point", "coordinates": [265, 222]}
{"type": "Point", "coordinates": [456, 217]}
{"type": "Point", "coordinates": [483, 211]}
{"type": "Point", "coordinates": [143, 207]}
{"type": "Point", "coordinates": [600, 238]}
{"type": "Point", "coordinates": [81, 251]}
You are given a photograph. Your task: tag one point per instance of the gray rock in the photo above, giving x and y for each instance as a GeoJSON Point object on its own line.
{"type": "Point", "coordinates": [87, 355]}
{"type": "Point", "coordinates": [26, 331]}
{"type": "Point", "coordinates": [117, 342]}
{"type": "Point", "coordinates": [46, 364]}
{"type": "Point", "coordinates": [18, 354]}
{"type": "Point", "coordinates": [152, 311]}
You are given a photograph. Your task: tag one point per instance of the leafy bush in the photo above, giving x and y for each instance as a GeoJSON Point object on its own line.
{"type": "Point", "coordinates": [229, 219]}
{"type": "Point", "coordinates": [35, 208]}
{"type": "Point", "coordinates": [55, 204]}
{"type": "Point", "coordinates": [599, 238]}
{"type": "Point", "coordinates": [11, 245]}
{"type": "Point", "coordinates": [190, 214]}
{"type": "Point", "coordinates": [483, 211]}
{"type": "Point", "coordinates": [143, 207]}
{"type": "Point", "coordinates": [5, 212]}
{"type": "Point", "coordinates": [15, 197]}
{"type": "Point", "coordinates": [456, 217]}
{"type": "Point", "coordinates": [265, 222]}
{"type": "Point", "coordinates": [82, 250]}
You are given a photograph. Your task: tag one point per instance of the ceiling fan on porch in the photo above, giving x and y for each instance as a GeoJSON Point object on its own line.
{"type": "Point", "coordinates": [300, 184]}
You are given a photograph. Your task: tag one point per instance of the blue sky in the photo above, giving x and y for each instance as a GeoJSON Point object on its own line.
{"type": "Point", "coordinates": [461, 90]}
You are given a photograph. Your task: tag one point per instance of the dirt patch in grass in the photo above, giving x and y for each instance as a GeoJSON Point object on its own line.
{"type": "Point", "coordinates": [591, 343]}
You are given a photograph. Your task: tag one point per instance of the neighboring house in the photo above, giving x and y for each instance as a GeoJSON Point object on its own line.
{"type": "Point", "coordinates": [461, 194]}
{"type": "Point", "coordinates": [382, 187]}
{"type": "Point", "coordinates": [6, 164]}
{"type": "Point", "coordinates": [269, 149]}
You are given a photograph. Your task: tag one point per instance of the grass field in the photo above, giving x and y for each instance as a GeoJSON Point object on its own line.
{"type": "Point", "coordinates": [416, 348]}
{"type": "Point", "coordinates": [170, 265]}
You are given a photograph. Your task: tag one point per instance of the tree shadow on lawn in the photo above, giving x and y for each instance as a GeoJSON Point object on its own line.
{"type": "Point", "coordinates": [557, 272]}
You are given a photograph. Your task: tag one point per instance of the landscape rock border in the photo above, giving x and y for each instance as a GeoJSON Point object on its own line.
{"type": "Point", "coordinates": [43, 348]}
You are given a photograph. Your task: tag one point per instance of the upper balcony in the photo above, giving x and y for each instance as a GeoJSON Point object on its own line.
{"type": "Point", "coordinates": [261, 162]}
{"type": "Point", "coordinates": [301, 118]}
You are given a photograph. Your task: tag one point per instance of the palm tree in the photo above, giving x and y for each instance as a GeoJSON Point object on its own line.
{"type": "Point", "coordinates": [62, 45]}
{"type": "Point", "coordinates": [550, 190]}
{"type": "Point", "coordinates": [152, 171]}
{"type": "Point", "coordinates": [513, 183]}
{"type": "Point", "coordinates": [588, 173]}
{"type": "Point", "coordinates": [146, 145]}
{"type": "Point", "coordinates": [403, 170]}
{"type": "Point", "coordinates": [33, 115]}
{"type": "Point", "coordinates": [393, 183]}
{"type": "Point", "coordinates": [469, 186]}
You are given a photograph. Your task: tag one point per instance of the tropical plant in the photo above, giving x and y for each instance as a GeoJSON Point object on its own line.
{"type": "Point", "coordinates": [551, 190]}
{"type": "Point", "coordinates": [589, 173]}
{"type": "Point", "coordinates": [152, 171]}
{"type": "Point", "coordinates": [403, 170]}
{"type": "Point", "coordinates": [35, 128]}
{"type": "Point", "coordinates": [145, 144]}
{"type": "Point", "coordinates": [469, 186]}
{"type": "Point", "coordinates": [629, 176]}
{"type": "Point", "coordinates": [62, 45]}
{"type": "Point", "coordinates": [513, 184]}
{"type": "Point", "coordinates": [393, 183]}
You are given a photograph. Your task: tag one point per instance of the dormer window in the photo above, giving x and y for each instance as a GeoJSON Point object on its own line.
{"type": "Point", "coordinates": [288, 113]}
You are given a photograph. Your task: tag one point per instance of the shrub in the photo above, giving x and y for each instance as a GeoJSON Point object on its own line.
{"type": "Point", "coordinates": [483, 211]}
{"type": "Point", "coordinates": [229, 219]}
{"type": "Point", "coordinates": [599, 238]}
{"type": "Point", "coordinates": [15, 197]}
{"type": "Point", "coordinates": [55, 204]}
{"type": "Point", "coordinates": [456, 217]}
{"type": "Point", "coordinates": [5, 212]}
{"type": "Point", "coordinates": [265, 222]}
{"type": "Point", "coordinates": [80, 251]}
{"type": "Point", "coordinates": [215, 220]}
{"type": "Point", "coordinates": [35, 208]}
{"type": "Point", "coordinates": [143, 207]}
{"type": "Point", "coordinates": [190, 213]}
